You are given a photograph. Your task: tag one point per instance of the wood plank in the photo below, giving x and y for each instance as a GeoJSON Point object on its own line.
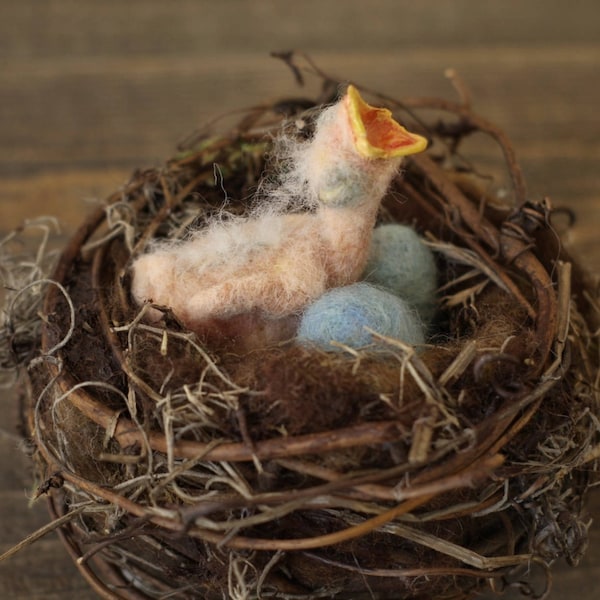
{"type": "Point", "coordinates": [90, 90]}
{"type": "Point", "coordinates": [45, 573]}
{"type": "Point", "coordinates": [68, 194]}
{"type": "Point", "coordinates": [100, 111]}
{"type": "Point", "coordinates": [152, 27]}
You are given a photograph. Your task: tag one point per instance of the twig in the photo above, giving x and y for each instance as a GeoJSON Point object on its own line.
{"type": "Point", "coordinates": [42, 531]}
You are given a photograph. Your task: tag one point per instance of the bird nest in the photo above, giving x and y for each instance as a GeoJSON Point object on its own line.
{"type": "Point", "coordinates": [179, 467]}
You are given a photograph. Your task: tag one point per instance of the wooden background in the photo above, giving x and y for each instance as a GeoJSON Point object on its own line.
{"type": "Point", "coordinates": [90, 90]}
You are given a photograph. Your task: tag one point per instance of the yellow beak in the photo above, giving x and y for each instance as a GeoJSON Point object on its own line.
{"type": "Point", "coordinates": [376, 133]}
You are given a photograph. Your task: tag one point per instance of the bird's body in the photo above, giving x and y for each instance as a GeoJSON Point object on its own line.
{"type": "Point", "coordinates": [273, 267]}
{"type": "Point", "coordinates": [270, 267]}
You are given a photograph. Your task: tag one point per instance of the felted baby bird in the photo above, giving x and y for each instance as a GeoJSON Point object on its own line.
{"type": "Point", "coordinates": [266, 268]}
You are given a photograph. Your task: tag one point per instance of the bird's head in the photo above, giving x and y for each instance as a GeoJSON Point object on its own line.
{"type": "Point", "coordinates": [358, 149]}
{"type": "Point", "coordinates": [376, 133]}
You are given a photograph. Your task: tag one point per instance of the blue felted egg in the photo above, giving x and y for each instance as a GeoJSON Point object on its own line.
{"type": "Point", "coordinates": [342, 314]}
{"type": "Point", "coordinates": [400, 262]}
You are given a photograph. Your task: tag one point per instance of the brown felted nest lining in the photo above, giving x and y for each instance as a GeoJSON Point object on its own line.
{"type": "Point", "coordinates": [183, 469]}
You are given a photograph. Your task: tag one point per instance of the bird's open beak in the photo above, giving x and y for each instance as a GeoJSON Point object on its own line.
{"type": "Point", "coordinates": [376, 133]}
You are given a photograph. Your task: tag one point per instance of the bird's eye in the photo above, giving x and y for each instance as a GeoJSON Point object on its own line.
{"type": "Point", "coordinates": [332, 196]}
{"type": "Point", "coordinates": [341, 188]}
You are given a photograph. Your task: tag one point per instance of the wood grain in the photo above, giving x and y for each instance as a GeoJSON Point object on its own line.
{"type": "Point", "coordinates": [91, 90]}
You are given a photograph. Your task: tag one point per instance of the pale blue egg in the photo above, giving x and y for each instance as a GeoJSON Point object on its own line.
{"type": "Point", "coordinates": [343, 314]}
{"type": "Point", "coordinates": [400, 262]}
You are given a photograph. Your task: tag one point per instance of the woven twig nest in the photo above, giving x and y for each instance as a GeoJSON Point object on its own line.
{"type": "Point", "coordinates": [182, 468]}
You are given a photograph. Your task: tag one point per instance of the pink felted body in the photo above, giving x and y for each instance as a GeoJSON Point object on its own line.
{"type": "Point", "coordinates": [269, 266]}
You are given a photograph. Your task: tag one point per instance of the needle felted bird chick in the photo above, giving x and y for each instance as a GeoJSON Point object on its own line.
{"type": "Point", "coordinates": [267, 267]}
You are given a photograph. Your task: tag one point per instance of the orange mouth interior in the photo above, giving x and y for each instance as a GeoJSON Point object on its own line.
{"type": "Point", "coordinates": [376, 133]}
